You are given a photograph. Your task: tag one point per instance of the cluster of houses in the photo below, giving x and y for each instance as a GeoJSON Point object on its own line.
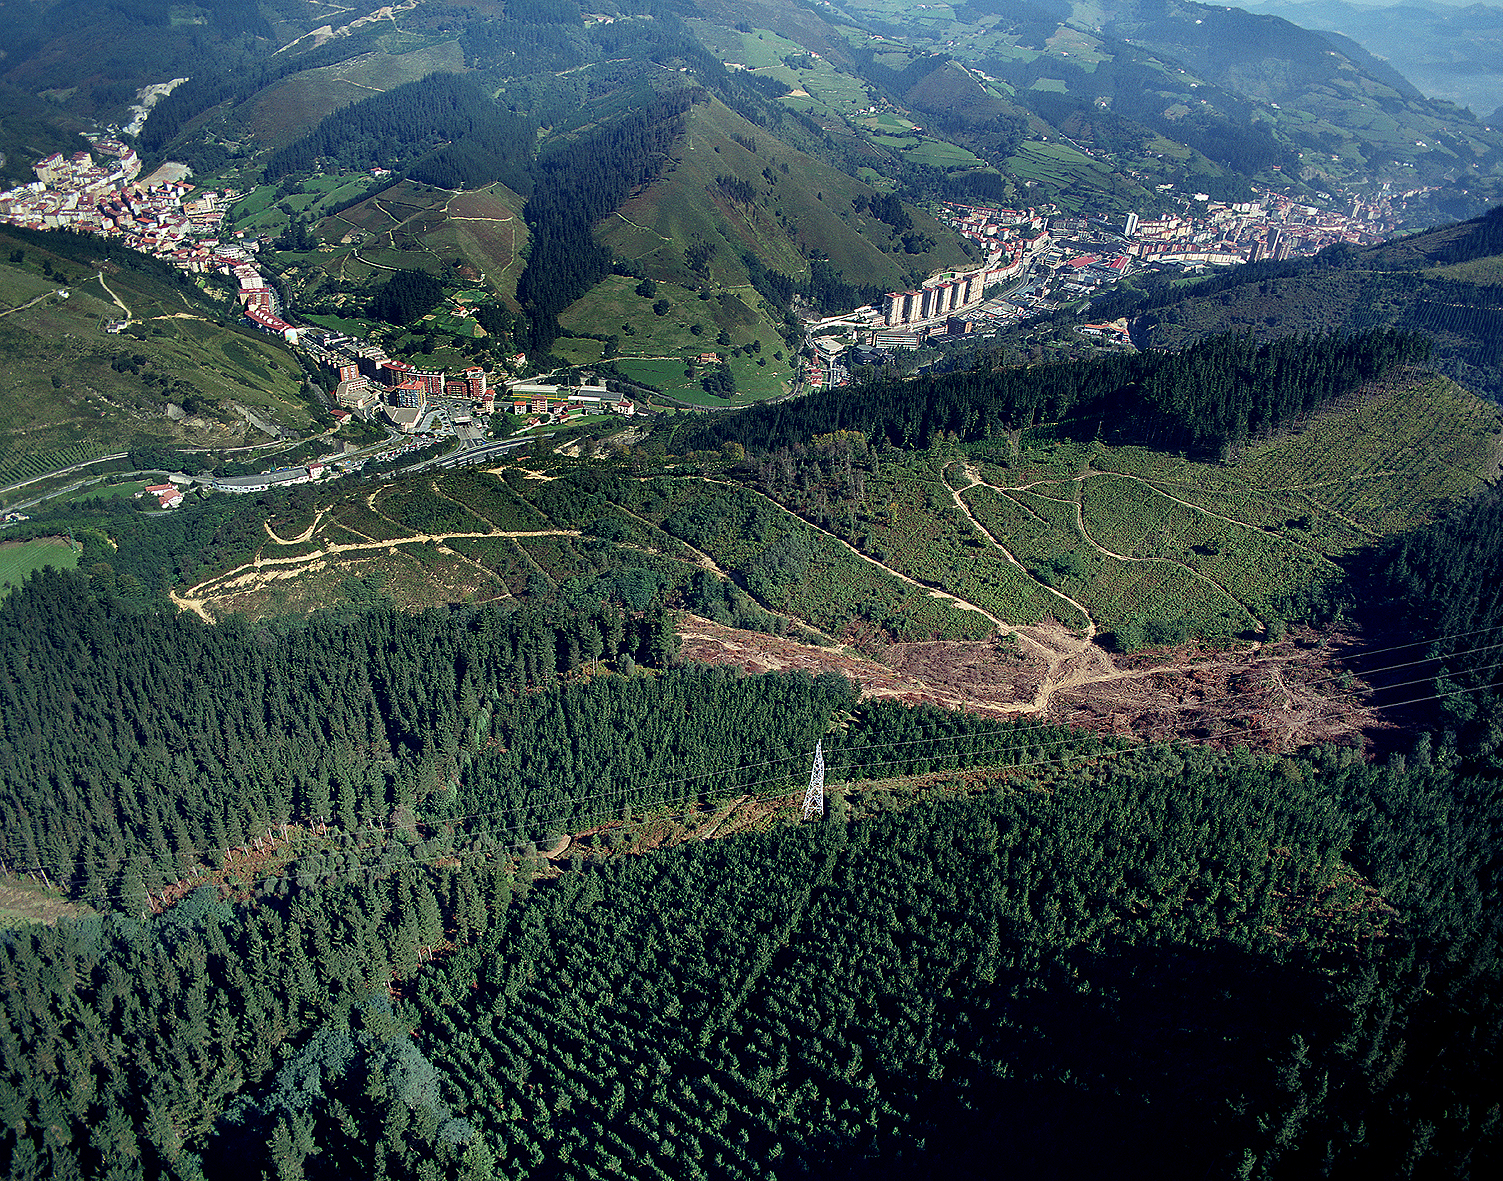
{"type": "Point", "coordinates": [1010, 229]}
{"type": "Point", "coordinates": [368, 381]}
{"type": "Point", "coordinates": [1274, 227]}
{"type": "Point", "coordinates": [167, 220]}
{"type": "Point", "coordinates": [78, 193]}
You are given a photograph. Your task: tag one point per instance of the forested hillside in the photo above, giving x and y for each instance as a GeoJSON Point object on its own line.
{"type": "Point", "coordinates": [444, 130]}
{"type": "Point", "coordinates": [1445, 284]}
{"type": "Point", "coordinates": [399, 830]}
{"type": "Point", "coordinates": [1165, 961]}
{"type": "Point", "coordinates": [331, 943]}
{"type": "Point", "coordinates": [577, 185]}
{"type": "Point", "coordinates": [1211, 398]}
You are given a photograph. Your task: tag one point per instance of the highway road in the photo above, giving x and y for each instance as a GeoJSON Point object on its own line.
{"type": "Point", "coordinates": [471, 452]}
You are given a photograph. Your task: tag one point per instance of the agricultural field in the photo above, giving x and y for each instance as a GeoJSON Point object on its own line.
{"type": "Point", "coordinates": [938, 153]}
{"type": "Point", "coordinates": [99, 491]}
{"type": "Point", "coordinates": [18, 467]}
{"type": "Point", "coordinates": [657, 349]}
{"type": "Point", "coordinates": [21, 558]}
{"type": "Point", "coordinates": [818, 87]}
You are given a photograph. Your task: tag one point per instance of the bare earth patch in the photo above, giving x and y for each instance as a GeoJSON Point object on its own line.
{"type": "Point", "coordinates": [1270, 696]}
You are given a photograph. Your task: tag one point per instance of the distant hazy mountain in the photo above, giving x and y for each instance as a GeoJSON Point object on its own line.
{"type": "Point", "coordinates": [1448, 51]}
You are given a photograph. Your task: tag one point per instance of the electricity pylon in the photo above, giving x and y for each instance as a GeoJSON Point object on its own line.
{"type": "Point", "coordinates": [814, 798]}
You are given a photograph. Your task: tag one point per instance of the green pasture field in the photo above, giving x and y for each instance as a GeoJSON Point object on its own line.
{"type": "Point", "coordinates": [667, 375]}
{"type": "Point", "coordinates": [101, 491]}
{"type": "Point", "coordinates": [1055, 164]}
{"type": "Point", "coordinates": [340, 324]}
{"type": "Point", "coordinates": [940, 154]}
{"type": "Point", "coordinates": [21, 558]}
{"type": "Point", "coordinates": [577, 350]}
{"type": "Point", "coordinates": [657, 349]}
{"type": "Point", "coordinates": [840, 94]}
{"type": "Point", "coordinates": [757, 49]}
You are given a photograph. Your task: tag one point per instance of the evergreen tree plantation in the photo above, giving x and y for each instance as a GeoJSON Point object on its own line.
{"type": "Point", "coordinates": [328, 945]}
{"type": "Point", "coordinates": [395, 826]}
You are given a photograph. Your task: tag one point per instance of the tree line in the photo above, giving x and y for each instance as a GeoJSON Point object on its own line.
{"type": "Point", "coordinates": [1213, 396]}
{"type": "Point", "coordinates": [578, 184]}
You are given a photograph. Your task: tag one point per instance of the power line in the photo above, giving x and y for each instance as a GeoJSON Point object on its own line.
{"type": "Point", "coordinates": [618, 794]}
{"type": "Point", "coordinates": [385, 864]}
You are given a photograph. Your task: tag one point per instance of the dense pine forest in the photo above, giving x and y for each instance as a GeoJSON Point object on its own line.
{"type": "Point", "coordinates": [443, 130]}
{"type": "Point", "coordinates": [1208, 399]}
{"type": "Point", "coordinates": [1181, 962]}
{"type": "Point", "coordinates": [329, 943]}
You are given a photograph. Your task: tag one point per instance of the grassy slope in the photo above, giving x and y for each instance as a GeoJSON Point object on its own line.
{"type": "Point", "coordinates": [59, 389]}
{"type": "Point", "coordinates": [789, 215]}
{"type": "Point", "coordinates": [19, 558]}
{"type": "Point", "coordinates": [659, 349]}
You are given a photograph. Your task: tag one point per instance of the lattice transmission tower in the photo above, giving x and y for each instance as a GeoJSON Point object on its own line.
{"type": "Point", "coordinates": [814, 798]}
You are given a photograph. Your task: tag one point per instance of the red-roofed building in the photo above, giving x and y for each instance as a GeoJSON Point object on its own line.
{"type": "Point", "coordinates": [168, 495]}
{"type": "Point", "coordinates": [265, 321]}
